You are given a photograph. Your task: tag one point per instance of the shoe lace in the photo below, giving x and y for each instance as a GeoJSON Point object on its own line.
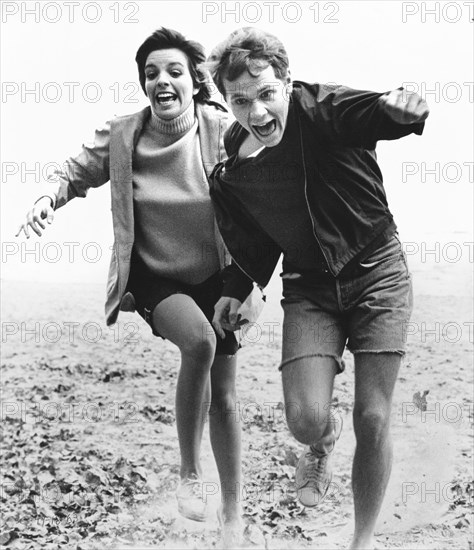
{"type": "Point", "coordinates": [315, 468]}
{"type": "Point", "coordinates": [195, 488]}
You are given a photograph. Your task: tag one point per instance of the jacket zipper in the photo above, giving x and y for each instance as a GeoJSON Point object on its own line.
{"type": "Point", "coordinates": [243, 271]}
{"type": "Point", "coordinates": [306, 195]}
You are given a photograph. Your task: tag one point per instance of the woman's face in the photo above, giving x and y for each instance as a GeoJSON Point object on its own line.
{"type": "Point", "coordinates": [168, 83]}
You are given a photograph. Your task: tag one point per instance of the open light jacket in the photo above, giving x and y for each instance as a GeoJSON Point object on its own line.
{"type": "Point", "coordinates": [110, 157]}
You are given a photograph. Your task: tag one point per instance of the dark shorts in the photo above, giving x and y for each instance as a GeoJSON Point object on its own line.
{"type": "Point", "coordinates": [368, 310]}
{"type": "Point", "coordinates": [149, 290]}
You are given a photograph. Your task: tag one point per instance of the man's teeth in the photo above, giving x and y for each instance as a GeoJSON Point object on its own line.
{"type": "Point", "coordinates": [266, 129]}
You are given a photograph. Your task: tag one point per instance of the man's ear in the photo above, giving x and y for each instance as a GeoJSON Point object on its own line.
{"type": "Point", "coordinates": [288, 84]}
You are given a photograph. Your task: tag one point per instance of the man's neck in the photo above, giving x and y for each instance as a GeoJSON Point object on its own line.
{"type": "Point", "coordinates": [249, 146]}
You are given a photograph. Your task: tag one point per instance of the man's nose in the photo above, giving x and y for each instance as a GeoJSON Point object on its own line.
{"type": "Point", "coordinates": [257, 111]}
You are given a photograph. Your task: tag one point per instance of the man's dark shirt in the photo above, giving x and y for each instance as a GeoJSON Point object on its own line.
{"type": "Point", "coordinates": [271, 186]}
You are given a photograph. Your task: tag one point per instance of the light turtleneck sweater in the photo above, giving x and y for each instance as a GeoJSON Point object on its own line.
{"type": "Point", "coordinates": [174, 219]}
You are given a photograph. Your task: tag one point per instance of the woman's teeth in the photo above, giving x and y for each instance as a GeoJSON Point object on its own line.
{"type": "Point", "coordinates": [165, 99]}
{"type": "Point", "coordinates": [265, 130]}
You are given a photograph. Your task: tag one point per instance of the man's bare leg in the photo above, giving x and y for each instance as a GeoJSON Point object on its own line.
{"type": "Point", "coordinates": [375, 377]}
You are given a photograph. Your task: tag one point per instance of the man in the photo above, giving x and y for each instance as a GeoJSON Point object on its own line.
{"type": "Point", "coordinates": [302, 180]}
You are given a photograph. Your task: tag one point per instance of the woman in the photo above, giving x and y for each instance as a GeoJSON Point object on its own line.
{"type": "Point", "coordinates": [168, 254]}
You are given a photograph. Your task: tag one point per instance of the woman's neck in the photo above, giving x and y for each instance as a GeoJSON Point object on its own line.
{"type": "Point", "coordinates": [178, 125]}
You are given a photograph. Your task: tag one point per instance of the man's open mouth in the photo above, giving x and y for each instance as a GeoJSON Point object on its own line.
{"type": "Point", "coordinates": [265, 130]}
{"type": "Point", "coordinates": [165, 98]}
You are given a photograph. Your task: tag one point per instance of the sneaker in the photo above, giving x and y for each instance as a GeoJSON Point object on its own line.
{"type": "Point", "coordinates": [189, 495]}
{"type": "Point", "coordinates": [313, 474]}
{"type": "Point", "coordinates": [232, 534]}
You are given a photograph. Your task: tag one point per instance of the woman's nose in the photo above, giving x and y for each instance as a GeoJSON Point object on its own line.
{"type": "Point", "coordinates": [163, 80]}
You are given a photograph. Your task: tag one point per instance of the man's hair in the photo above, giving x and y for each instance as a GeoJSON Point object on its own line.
{"type": "Point", "coordinates": [247, 49]}
{"type": "Point", "coordinates": [163, 39]}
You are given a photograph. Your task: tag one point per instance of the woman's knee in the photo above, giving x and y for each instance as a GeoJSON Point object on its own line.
{"type": "Point", "coordinates": [223, 401]}
{"type": "Point", "coordinates": [199, 346]}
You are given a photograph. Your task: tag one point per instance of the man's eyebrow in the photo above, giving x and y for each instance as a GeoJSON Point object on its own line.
{"type": "Point", "coordinates": [238, 93]}
{"type": "Point", "coordinates": [269, 86]}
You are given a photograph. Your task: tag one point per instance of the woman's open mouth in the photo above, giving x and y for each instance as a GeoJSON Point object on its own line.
{"type": "Point", "coordinates": [264, 130]}
{"type": "Point", "coordinates": [165, 98]}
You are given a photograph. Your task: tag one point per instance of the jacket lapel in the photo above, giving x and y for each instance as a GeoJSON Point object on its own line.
{"type": "Point", "coordinates": [125, 132]}
{"type": "Point", "coordinates": [212, 125]}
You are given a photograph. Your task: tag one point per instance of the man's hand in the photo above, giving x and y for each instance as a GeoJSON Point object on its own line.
{"type": "Point", "coordinates": [405, 107]}
{"type": "Point", "coordinates": [42, 210]}
{"type": "Point", "coordinates": [226, 315]}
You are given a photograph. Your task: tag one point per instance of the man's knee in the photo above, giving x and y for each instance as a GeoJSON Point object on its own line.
{"type": "Point", "coordinates": [305, 425]}
{"type": "Point", "coordinates": [371, 425]}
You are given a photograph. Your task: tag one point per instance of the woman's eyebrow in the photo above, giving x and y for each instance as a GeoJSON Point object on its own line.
{"type": "Point", "coordinates": [148, 65]}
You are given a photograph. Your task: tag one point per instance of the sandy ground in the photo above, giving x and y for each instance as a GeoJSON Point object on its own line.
{"type": "Point", "coordinates": [90, 455]}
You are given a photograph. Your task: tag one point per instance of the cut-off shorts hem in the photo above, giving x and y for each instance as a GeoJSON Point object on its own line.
{"type": "Point", "coordinates": [226, 355]}
{"type": "Point", "coordinates": [339, 361]}
{"type": "Point", "coordinates": [378, 351]}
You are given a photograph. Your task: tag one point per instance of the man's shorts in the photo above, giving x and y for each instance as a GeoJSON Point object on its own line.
{"type": "Point", "coordinates": [149, 290]}
{"type": "Point", "coordinates": [368, 310]}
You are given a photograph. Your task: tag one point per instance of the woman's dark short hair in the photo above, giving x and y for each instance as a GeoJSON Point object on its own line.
{"type": "Point", "coordinates": [163, 39]}
{"type": "Point", "coordinates": [247, 49]}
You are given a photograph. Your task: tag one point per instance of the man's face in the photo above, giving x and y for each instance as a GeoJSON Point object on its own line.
{"type": "Point", "coordinates": [260, 104]}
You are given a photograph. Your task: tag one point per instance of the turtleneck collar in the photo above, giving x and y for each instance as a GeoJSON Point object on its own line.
{"type": "Point", "coordinates": [178, 125]}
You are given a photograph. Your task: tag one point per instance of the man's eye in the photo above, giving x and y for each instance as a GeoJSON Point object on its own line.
{"type": "Point", "coordinates": [240, 101]}
{"type": "Point", "coordinates": [267, 94]}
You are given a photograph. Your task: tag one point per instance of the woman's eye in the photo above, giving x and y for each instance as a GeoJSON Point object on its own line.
{"type": "Point", "coordinates": [150, 76]}
{"type": "Point", "coordinates": [240, 101]}
{"type": "Point", "coordinates": [175, 74]}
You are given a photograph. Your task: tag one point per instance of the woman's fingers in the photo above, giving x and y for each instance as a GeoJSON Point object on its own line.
{"type": "Point", "coordinates": [220, 312]}
{"type": "Point", "coordinates": [34, 219]}
{"type": "Point", "coordinates": [226, 315]}
{"type": "Point", "coordinates": [23, 227]}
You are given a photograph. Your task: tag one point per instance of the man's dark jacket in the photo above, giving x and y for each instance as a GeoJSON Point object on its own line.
{"type": "Point", "coordinates": [338, 130]}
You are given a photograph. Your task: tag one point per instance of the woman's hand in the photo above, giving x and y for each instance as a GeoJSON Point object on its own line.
{"type": "Point", "coordinates": [226, 315]}
{"type": "Point", "coordinates": [42, 210]}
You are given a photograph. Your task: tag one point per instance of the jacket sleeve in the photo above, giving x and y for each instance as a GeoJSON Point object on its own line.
{"type": "Point", "coordinates": [90, 168]}
{"type": "Point", "coordinates": [254, 253]}
{"type": "Point", "coordinates": [353, 118]}
{"type": "Point", "coordinates": [236, 283]}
